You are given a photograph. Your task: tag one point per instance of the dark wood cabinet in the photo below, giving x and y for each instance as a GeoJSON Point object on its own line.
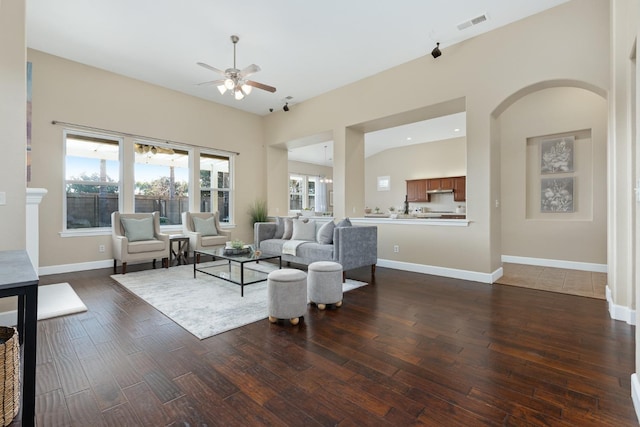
{"type": "Point", "coordinates": [417, 190]}
{"type": "Point", "coordinates": [440, 184]}
{"type": "Point", "coordinates": [459, 188]}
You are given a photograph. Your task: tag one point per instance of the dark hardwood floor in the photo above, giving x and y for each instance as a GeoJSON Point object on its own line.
{"type": "Point", "coordinates": [410, 349]}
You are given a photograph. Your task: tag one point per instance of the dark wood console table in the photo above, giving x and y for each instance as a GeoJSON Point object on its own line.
{"type": "Point", "coordinates": [18, 278]}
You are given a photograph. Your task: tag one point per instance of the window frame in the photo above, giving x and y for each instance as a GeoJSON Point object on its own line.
{"type": "Point", "coordinates": [230, 190]}
{"type": "Point", "coordinates": [105, 136]}
{"type": "Point", "coordinates": [304, 193]}
{"type": "Point", "coordinates": [180, 148]}
{"type": "Point", "coordinates": [126, 177]}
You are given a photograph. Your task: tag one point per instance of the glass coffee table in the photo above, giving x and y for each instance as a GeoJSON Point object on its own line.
{"type": "Point", "coordinates": [234, 270]}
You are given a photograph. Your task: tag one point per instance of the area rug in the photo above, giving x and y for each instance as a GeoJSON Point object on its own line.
{"type": "Point", "coordinates": [58, 300]}
{"type": "Point", "coordinates": [204, 306]}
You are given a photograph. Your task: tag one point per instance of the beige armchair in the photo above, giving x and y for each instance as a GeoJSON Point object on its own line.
{"type": "Point", "coordinates": [202, 235]}
{"type": "Point", "coordinates": [137, 237]}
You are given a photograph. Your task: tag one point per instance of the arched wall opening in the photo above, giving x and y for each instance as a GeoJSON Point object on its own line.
{"type": "Point", "coordinates": [552, 139]}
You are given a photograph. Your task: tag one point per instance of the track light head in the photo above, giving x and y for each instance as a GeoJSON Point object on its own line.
{"type": "Point", "coordinates": [271, 110]}
{"type": "Point", "coordinates": [286, 107]}
{"type": "Point", "coordinates": [436, 50]}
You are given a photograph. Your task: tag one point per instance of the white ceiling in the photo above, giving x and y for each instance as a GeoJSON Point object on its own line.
{"type": "Point", "coordinates": [305, 48]}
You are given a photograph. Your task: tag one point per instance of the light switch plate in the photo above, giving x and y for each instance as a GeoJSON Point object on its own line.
{"type": "Point", "coordinates": [3, 198]}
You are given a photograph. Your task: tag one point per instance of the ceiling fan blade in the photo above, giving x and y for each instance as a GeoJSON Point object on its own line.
{"type": "Point", "coordinates": [209, 67]}
{"type": "Point", "coordinates": [212, 82]}
{"type": "Point", "coordinates": [261, 86]}
{"type": "Point", "coordinates": [247, 71]}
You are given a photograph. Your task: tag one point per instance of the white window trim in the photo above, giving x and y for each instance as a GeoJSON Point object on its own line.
{"type": "Point", "coordinates": [95, 231]}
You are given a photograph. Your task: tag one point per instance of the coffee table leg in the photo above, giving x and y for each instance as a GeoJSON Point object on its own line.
{"type": "Point", "coordinates": [195, 263]}
{"type": "Point", "coordinates": [242, 279]}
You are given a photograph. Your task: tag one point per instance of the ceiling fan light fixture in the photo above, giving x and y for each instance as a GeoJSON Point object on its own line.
{"type": "Point", "coordinates": [234, 78]}
{"type": "Point", "coordinates": [246, 88]}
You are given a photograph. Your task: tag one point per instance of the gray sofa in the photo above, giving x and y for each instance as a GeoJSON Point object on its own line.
{"type": "Point", "coordinates": [352, 247]}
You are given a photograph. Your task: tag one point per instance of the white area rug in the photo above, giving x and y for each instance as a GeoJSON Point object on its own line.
{"type": "Point", "coordinates": [58, 300]}
{"type": "Point", "coordinates": [204, 306]}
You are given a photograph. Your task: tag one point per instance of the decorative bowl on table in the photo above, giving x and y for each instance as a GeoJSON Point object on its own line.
{"type": "Point", "coordinates": [236, 247]}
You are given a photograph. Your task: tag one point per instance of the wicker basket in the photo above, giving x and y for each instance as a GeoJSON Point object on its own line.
{"type": "Point", "coordinates": [9, 374]}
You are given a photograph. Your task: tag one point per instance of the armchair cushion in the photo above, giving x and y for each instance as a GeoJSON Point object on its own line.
{"type": "Point", "coordinates": [138, 229]}
{"type": "Point", "coordinates": [206, 227]}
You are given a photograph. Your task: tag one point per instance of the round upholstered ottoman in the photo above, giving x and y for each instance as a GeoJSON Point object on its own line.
{"type": "Point", "coordinates": [287, 295]}
{"type": "Point", "coordinates": [324, 283]}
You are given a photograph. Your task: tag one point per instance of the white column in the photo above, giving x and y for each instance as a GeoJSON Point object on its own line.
{"type": "Point", "coordinates": [34, 197]}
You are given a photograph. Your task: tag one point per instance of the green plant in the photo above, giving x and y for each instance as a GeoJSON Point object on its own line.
{"type": "Point", "coordinates": [237, 244]}
{"type": "Point", "coordinates": [392, 209]}
{"type": "Point", "coordinates": [258, 212]}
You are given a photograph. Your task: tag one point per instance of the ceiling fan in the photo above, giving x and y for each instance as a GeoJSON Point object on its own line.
{"type": "Point", "coordinates": [235, 80]}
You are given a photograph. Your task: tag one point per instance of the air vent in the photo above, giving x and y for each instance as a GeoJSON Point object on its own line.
{"type": "Point", "coordinates": [473, 21]}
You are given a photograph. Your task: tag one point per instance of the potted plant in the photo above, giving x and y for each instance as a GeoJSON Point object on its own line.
{"type": "Point", "coordinates": [377, 210]}
{"type": "Point", "coordinates": [367, 210]}
{"type": "Point", "coordinates": [258, 211]}
{"type": "Point", "coordinates": [307, 212]}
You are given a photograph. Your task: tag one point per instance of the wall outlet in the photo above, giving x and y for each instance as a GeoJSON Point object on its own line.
{"type": "Point", "coordinates": [396, 248]}
{"type": "Point", "coordinates": [101, 248]}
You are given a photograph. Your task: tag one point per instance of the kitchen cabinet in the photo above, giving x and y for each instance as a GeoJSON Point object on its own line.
{"type": "Point", "coordinates": [417, 190]}
{"type": "Point", "coordinates": [440, 184]}
{"type": "Point", "coordinates": [459, 188]}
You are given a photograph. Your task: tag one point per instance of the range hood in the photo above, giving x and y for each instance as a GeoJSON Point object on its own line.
{"type": "Point", "coordinates": [440, 190]}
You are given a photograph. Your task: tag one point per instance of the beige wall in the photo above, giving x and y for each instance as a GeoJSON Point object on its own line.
{"type": "Point", "coordinates": [13, 137]}
{"type": "Point", "coordinates": [429, 160]}
{"type": "Point", "coordinates": [485, 71]}
{"type": "Point", "coordinates": [526, 232]}
{"type": "Point", "coordinates": [71, 92]}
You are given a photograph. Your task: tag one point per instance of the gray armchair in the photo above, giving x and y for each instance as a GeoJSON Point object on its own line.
{"type": "Point", "coordinates": [137, 237]}
{"type": "Point", "coordinates": [202, 235]}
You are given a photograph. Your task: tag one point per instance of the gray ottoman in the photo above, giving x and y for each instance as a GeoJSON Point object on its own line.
{"type": "Point", "coordinates": [324, 283]}
{"type": "Point", "coordinates": [287, 295]}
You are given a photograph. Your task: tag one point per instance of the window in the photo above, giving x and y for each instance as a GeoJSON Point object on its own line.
{"type": "Point", "coordinates": [302, 192]}
{"type": "Point", "coordinates": [296, 192]}
{"type": "Point", "coordinates": [215, 180]}
{"type": "Point", "coordinates": [92, 180]}
{"type": "Point", "coordinates": [95, 187]}
{"type": "Point", "coordinates": [161, 181]}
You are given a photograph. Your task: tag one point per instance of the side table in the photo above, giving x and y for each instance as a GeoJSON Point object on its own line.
{"type": "Point", "coordinates": [18, 278]}
{"type": "Point", "coordinates": [180, 251]}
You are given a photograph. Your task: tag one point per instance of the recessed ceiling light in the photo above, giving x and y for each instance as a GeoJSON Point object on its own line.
{"type": "Point", "coordinates": [408, 138]}
{"type": "Point", "coordinates": [456, 130]}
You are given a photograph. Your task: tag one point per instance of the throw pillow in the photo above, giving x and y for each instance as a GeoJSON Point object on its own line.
{"type": "Point", "coordinates": [288, 228]}
{"type": "Point", "coordinates": [304, 230]}
{"type": "Point", "coordinates": [325, 233]}
{"type": "Point", "coordinates": [344, 223]}
{"type": "Point", "coordinates": [206, 227]}
{"type": "Point", "coordinates": [279, 227]}
{"type": "Point", "coordinates": [138, 229]}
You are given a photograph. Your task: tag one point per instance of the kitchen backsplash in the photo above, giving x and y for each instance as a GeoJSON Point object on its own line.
{"type": "Point", "coordinates": [442, 202]}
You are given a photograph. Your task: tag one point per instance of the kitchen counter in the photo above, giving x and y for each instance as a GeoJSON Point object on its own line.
{"type": "Point", "coordinates": [452, 220]}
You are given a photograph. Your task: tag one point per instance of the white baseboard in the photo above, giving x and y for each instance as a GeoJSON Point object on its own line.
{"type": "Point", "coordinates": [556, 263]}
{"type": "Point", "coordinates": [442, 271]}
{"type": "Point", "coordinates": [69, 268]}
{"type": "Point", "coordinates": [635, 394]}
{"type": "Point", "coordinates": [619, 312]}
